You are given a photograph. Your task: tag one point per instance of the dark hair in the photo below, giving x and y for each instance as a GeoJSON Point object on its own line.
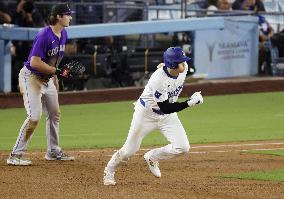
{"type": "Point", "coordinates": [53, 19]}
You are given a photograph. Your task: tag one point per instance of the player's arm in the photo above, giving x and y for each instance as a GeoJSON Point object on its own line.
{"type": "Point", "coordinates": [38, 52]}
{"type": "Point", "coordinates": [41, 66]}
{"type": "Point", "coordinates": [167, 107]}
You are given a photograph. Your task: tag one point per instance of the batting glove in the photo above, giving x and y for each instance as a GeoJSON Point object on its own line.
{"type": "Point", "coordinates": [195, 99]}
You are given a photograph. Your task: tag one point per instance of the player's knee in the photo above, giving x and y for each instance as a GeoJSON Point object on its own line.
{"type": "Point", "coordinates": [126, 154]}
{"type": "Point", "coordinates": [35, 117]}
{"type": "Point", "coordinates": [32, 125]}
{"type": "Point", "coordinates": [182, 148]}
{"type": "Point", "coordinates": [55, 115]}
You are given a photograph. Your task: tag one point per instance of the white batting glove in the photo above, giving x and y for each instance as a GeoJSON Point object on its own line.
{"type": "Point", "coordinates": [195, 99]}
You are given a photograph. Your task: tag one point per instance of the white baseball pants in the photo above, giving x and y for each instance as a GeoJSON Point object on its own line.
{"type": "Point", "coordinates": [143, 122]}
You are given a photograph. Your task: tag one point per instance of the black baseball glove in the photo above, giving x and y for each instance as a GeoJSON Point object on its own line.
{"type": "Point", "coordinates": [71, 69]}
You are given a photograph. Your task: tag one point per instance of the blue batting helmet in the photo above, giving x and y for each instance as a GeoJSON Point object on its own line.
{"type": "Point", "coordinates": [173, 56]}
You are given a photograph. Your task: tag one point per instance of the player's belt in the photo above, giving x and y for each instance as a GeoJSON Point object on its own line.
{"type": "Point", "coordinates": [42, 79]}
{"type": "Point", "coordinates": [157, 111]}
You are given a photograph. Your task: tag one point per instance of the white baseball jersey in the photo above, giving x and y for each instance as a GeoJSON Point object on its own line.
{"type": "Point", "coordinates": [162, 86]}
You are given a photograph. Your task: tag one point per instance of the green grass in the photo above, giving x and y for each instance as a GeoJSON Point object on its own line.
{"type": "Point", "coordinates": [220, 119]}
{"type": "Point", "coordinates": [268, 152]}
{"type": "Point", "coordinates": [237, 118]}
{"type": "Point", "coordinates": [274, 175]}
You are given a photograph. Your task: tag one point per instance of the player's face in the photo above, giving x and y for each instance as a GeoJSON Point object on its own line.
{"type": "Point", "coordinates": [181, 67]}
{"type": "Point", "coordinates": [65, 20]}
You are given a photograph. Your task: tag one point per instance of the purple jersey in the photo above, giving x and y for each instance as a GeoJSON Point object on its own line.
{"type": "Point", "coordinates": [48, 47]}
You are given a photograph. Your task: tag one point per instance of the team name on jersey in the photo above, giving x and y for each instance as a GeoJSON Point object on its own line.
{"type": "Point", "coordinates": [175, 92]}
{"type": "Point", "coordinates": [54, 51]}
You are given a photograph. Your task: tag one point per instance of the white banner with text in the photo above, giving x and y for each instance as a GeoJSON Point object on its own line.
{"type": "Point", "coordinates": [230, 52]}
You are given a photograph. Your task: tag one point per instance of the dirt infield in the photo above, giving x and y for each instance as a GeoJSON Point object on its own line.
{"type": "Point", "coordinates": [194, 175]}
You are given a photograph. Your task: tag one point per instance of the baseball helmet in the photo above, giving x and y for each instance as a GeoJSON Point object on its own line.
{"type": "Point", "coordinates": [173, 56]}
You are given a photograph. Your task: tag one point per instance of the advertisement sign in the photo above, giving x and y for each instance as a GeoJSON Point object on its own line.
{"type": "Point", "coordinates": [230, 52]}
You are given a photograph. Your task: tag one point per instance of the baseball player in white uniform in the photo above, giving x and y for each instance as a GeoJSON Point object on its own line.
{"type": "Point", "coordinates": [156, 109]}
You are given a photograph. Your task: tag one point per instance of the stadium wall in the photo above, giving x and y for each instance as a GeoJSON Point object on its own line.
{"type": "Point", "coordinates": [208, 88]}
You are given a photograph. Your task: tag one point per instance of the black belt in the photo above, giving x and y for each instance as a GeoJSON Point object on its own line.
{"type": "Point", "coordinates": [159, 112]}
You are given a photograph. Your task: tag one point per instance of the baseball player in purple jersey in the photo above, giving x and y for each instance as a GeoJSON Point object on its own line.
{"type": "Point", "coordinates": [156, 109]}
{"type": "Point", "coordinates": [38, 84]}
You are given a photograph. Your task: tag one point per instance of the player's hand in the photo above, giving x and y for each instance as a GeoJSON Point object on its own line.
{"type": "Point", "coordinates": [195, 99]}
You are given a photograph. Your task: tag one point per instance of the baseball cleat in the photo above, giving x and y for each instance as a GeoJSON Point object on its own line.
{"type": "Point", "coordinates": [109, 178]}
{"type": "Point", "coordinates": [18, 160]}
{"type": "Point", "coordinates": [153, 165]}
{"type": "Point", "coordinates": [53, 155]}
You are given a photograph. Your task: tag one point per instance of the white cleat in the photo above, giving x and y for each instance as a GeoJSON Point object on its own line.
{"type": "Point", "coordinates": [153, 165]}
{"type": "Point", "coordinates": [109, 178]}
{"type": "Point", "coordinates": [18, 160]}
